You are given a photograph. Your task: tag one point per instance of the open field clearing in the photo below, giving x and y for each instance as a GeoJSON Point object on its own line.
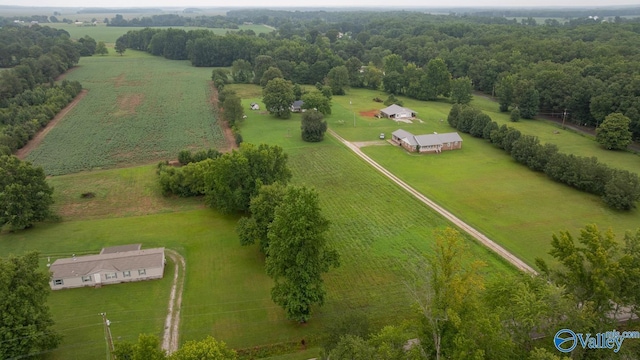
{"type": "Point", "coordinates": [114, 193]}
{"type": "Point", "coordinates": [518, 208]}
{"type": "Point", "coordinates": [109, 34]}
{"type": "Point", "coordinates": [226, 290]}
{"type": "Point", "coordinates": [139, 109]}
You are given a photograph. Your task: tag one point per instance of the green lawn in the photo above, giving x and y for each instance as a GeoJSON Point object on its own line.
{"type": "Point", "coordinates": [139, 109]}
{"type": "Point", "coordinates": [482, 184]}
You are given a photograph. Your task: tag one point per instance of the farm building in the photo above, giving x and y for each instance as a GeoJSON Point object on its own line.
{"type": "Point", "coordinates": [397, 112]}
{"type": "Point", "coordinates": [255, 106]}
{"type": "Point", "coordinates": [113, 265]}
{"type": "Point", "coordinates": [428, 143]}
{"type": "Point", "coordinates": [297, 106]}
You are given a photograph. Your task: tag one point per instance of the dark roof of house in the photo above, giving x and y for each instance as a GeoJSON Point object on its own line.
{"type": "Point", "coordinates": [121, 248]}
{"type": "Point", "coordinates": [119, 261]}
{"type": "Point", "coordinates": [298, 104]}
{"type": "Point", "coordinates": [395, 109]}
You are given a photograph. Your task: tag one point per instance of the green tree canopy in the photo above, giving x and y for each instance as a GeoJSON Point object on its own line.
{"type": "Point", "coordinates": [278, 96]}
{"type": "Point", "coordinates": [25, 328]}
{"type": "Point", "coordinates": [313, 126]}
{"type": "Point", "coordinates": [461, 90]}
{"type": "Point", "coordinates": [232, 109]}
{"type": "Point", "coordinates": [338, 79]}
{"type": "Point", "coordinates": [25, 196]}
{"type": "Point", "coordinates": [271, 73]}
{"type": "Point", "coordinates": [101, 48]}
{"type": "Point", "coordinates": [255, 228]}
{"type": "Point", "coordinates": [237, 176]}
{"type": "Point", "coordinates": [298, 253]}
{"type": "Point", "coordinates": [317, 100]}
{"type": "Point", "coordinates": [613, 133]}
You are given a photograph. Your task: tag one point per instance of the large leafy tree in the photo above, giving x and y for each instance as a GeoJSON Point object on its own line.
{"type": "Point", "coordinates": [439, 78]}
{"type": "Point", "coordinates": [446, 288]}
{"type": "Point", "coordinates": [232, 108]}
{"type": "Point", "coordinates": [317, 100]}
{"type": "Point", "coordinates": [236, 176]}
{"type": "Point", "coordinates": [461, 89]}
{"type": "Point", "coordinates": [255, 228]}
{"type": "Point", "coordinates": [298, 253]}
{"type": "Point", "coordinates": [278, 96]}
{"type": "Point", "coordinates": [591, 271]}
{"type": "Point", "coordinates": [338, 79]}
{"type": "Point", "coordinates": [25, 320]}
{"type": "Point", "coordinates": [241, 71]}
{"type": "Point", "coordinates": [613, 133]}
{"type": "Point", "coordinates": [313, 126]}
{"type": "Point", "coordinates": [25, 196]}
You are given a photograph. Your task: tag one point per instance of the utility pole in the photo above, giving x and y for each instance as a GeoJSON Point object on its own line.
{"type": "Point", "coordinates": [564, 116]}
{"type": "Point", "coordinates": [107, 335]}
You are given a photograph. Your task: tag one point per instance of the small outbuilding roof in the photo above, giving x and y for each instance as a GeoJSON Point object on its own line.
{"type": "Point", "coordinates": [298, 104]}
{"type": "Point", "coordinates": [114, 261]}
{"type": "Point", "coordinates": [395, 109]}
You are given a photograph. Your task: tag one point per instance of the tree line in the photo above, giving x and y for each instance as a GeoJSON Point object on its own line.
{"type": "Point", "coordinates": [619, 189]}
{"type": "Point", "coordinates": [216, 21]}
{"type": "Point", "coordinates": [583, 72]}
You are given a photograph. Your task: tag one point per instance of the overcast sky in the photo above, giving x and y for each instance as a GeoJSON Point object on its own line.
{"type": "Point", "coordinates": [316, 3]}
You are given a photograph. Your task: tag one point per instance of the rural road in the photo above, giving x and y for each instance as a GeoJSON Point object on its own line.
{"type": "Point", "coordinates": [172, 322]}
{"type": "Point", "coordinates": [515, 261]}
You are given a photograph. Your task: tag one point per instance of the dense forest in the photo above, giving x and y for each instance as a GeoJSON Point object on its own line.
{"type": "Point", "coordinates": [585, 69]}
{"type": "Point", "coordinates": [175, 20]}
{"type": "Point", "coordinates": [34, 56]}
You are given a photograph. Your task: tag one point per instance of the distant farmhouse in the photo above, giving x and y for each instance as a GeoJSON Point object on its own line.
{"type": "Point", "coordinates": [113, 265]}
{"type": "Point", "coordinates": [428, 143]}
{"type": "Point", "coordinates": [297, 106]}
{"type": "Point", "coordinates": [397, 112]}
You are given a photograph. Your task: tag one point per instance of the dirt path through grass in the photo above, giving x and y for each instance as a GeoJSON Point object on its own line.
{"type": "Point", "coordinates": [33, 143]}
{"type": "Point", "coordinates": [502, 252]}
{"type": "Point", "coordinates": [172, 323]}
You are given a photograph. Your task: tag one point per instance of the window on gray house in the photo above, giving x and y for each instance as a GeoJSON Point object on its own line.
{"type": "Point", "coordinates": [126, 273]}
{"type": "Point", "coordinates": [86, 278]}
{"type": "Point", "coordinates": [142, 272]}
{"type": "Point", "coordinates": [58, 282]}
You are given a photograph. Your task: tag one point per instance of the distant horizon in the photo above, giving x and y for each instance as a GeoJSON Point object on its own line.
{"type": "Point", "coordinates": [317, 4]}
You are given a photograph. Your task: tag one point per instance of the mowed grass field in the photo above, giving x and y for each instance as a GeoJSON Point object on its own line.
{"type": "Point", "coordinates": [483, 185]}
{"type": "Point", "coordinates": [109, 34]}
{"type": "Point", "coordinates": [139, 109]}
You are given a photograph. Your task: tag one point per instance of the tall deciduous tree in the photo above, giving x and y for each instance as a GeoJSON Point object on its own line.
{"type": "Point", "coordinates": [271, 73]}
{"type": "Point", "coordinates": [278, 97]}
{"type": "Point", "coordinates": [255, 228]}
{"type": "Point", "coordinates": [298, 253]}
{"type": "Point", "coordinates": [121, 46]}
{"type": "Point", "coordinates": [317, 100]}
{"type": "Point", "coordinates": [338, 79]}
{"type": "Point", "coordinates": [25, 328]}
{"type": "Point", "coordinates": [101, 48]}
{"type": "Point", "coordinates": [233, 111]}
{"type": "Point", "coordinates": [506, 92]}
{"type": "Point", "coordinates": [237, 176]}
{"type": "Point", "coordinates": [589, 269]}
{"type": "Point", "coordinates": [25, 196]}
{"type": "Point", "coordinates": [442, 287]}
{"type": "Point", "coordinates": [614, 132]}
{"type": "Point", "coordinates": [461, 90]}
{"type": "Point", "coordinates": [241, 71]}
{"type": "Point", "coordinates": [313, 126]}
{"type": "Point", "coordinates": [439, 78]}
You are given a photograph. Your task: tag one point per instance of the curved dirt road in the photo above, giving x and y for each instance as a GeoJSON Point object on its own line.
{"type": "Point", "coordinates": [515, 261]}
{"type": "Point", "coordinates": [172, 322]}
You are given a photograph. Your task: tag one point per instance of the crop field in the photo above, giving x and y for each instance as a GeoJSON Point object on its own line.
{"type": "Point", "coordinates": [109, 34]}
{"type": "Point", "coordinates": [481, 184]}
{"type": "Point", "coordinates": [139, 109]}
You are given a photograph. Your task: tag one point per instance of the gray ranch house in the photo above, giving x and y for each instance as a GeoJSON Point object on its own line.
{"type": "Point", "coordinates": [397, 112]}
{"type": "Point", "coordinates": [113, 265]}
{"type": "Point", "coordinates": [428, 143]}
